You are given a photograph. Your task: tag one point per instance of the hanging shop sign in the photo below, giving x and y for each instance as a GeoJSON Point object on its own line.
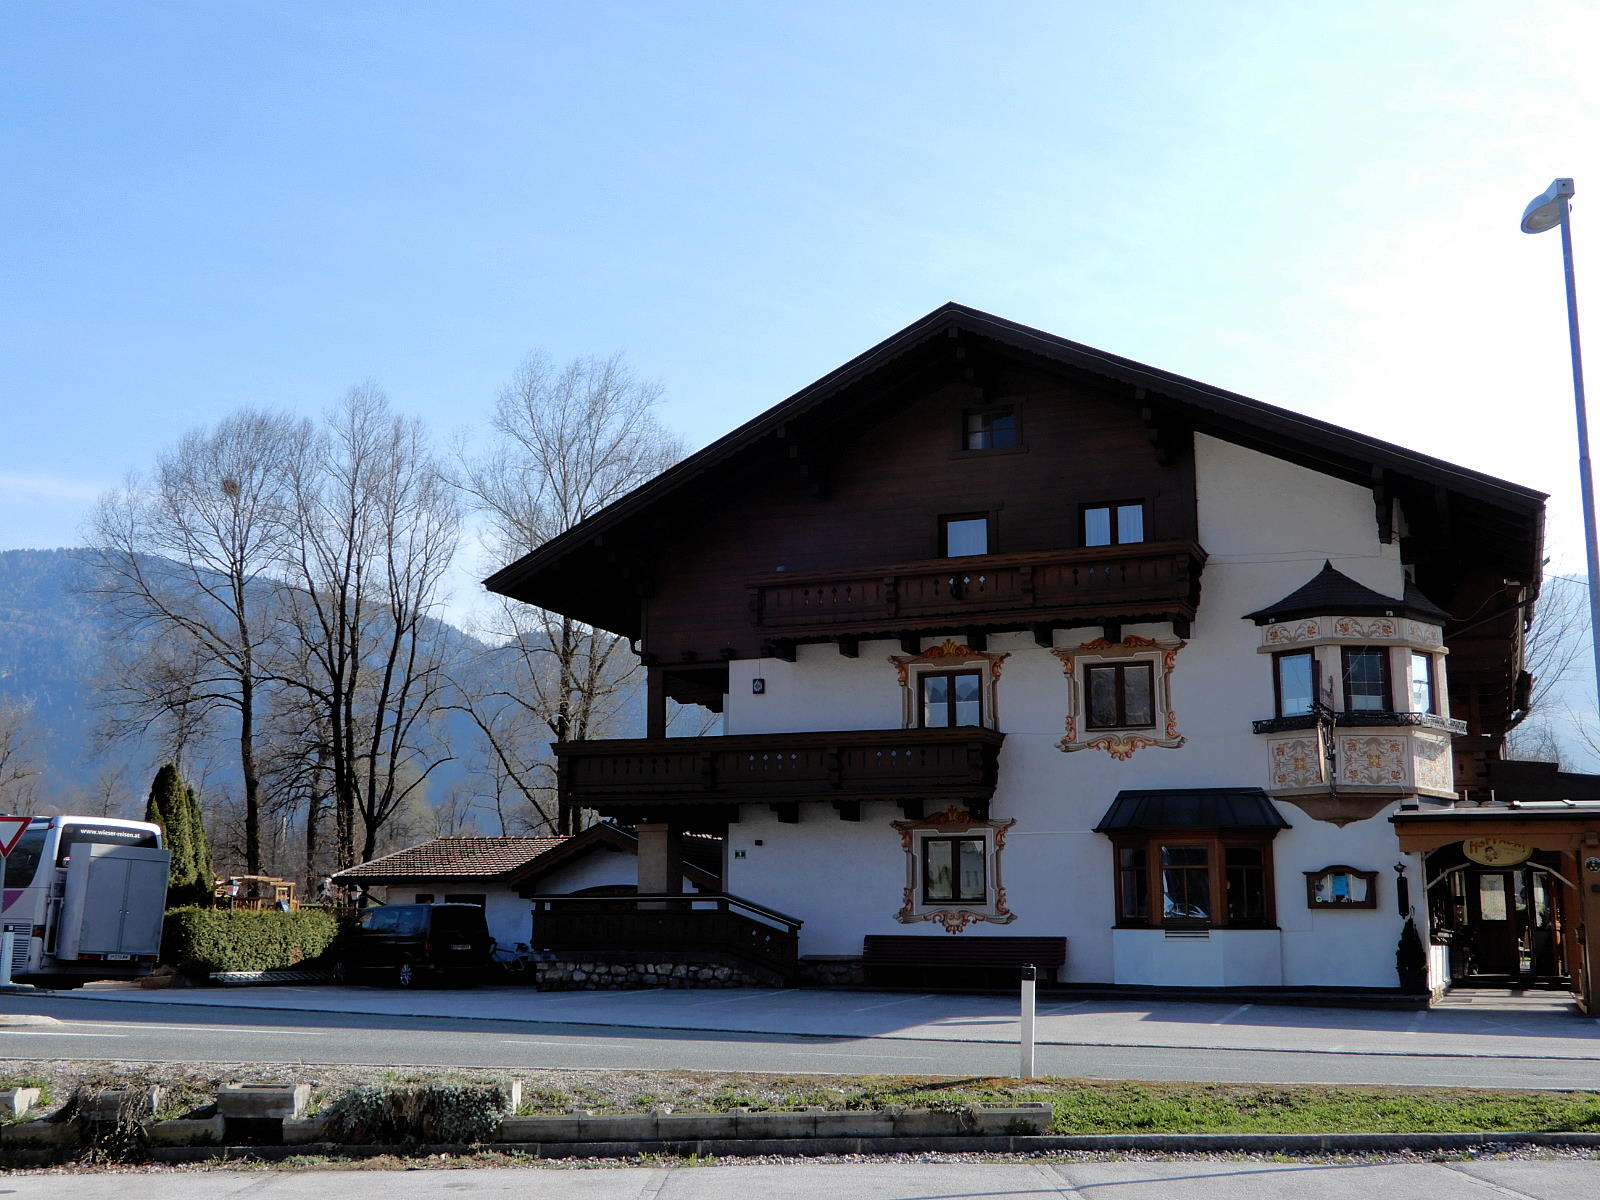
{"type": "Point", "coordinates": [1496, 852]}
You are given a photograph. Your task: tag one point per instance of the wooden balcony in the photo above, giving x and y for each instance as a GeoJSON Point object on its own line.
{"type": "Point", "coordinates": [1151, 580]}
{"type": "Point", "coordinates": [640, 779]}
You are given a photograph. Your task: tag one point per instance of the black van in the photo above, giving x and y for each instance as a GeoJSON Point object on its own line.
{"type": "Point", "coordinates": [414, 943]}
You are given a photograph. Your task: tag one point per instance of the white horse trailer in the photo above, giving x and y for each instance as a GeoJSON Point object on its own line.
{"type": "Point", "coordinates": [83, 899]}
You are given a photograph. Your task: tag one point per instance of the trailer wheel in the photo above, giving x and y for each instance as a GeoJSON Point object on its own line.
{"type": "Point", "coordinates": [406, 975]}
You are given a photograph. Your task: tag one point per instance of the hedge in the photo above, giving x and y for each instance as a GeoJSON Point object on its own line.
{"type": "Point", "coordinates": [199, 941]}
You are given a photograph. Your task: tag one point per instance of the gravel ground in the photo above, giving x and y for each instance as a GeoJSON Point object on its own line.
{"type": "Point", "coordinates": [188, 1086]}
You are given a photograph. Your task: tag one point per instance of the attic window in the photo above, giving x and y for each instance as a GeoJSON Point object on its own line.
{"type": "Point", "coordinates": [1118, 524]}
{"type": "Point", "coordinates": [964, 535]}
{"type": "Point", "coordinates": [990, 429]}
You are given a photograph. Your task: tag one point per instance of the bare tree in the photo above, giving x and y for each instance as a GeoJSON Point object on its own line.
{"type": "Point", "coordinates": [19, 765]}
{"type": "Point", "coordinates": [185, 562]}
{"type": "Point", "coordinates": [1556, 644]}
{"type": "Point", "coordinates": [376, 525]}
{"type": "Point", "coordinates": [569, 441]}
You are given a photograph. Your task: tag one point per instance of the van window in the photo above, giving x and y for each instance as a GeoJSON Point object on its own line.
{"type": "Point", "coordinates": [410, 919]}
{"type": "Point", "coordinates": [378, 920]}
{"type": "Point", "coordinates": [466, 919]}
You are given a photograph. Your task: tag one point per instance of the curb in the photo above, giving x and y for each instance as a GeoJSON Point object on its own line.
{"type": "Point", "coordinates": [1197, 1143]}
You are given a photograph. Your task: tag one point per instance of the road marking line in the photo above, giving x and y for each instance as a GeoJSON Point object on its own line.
{"type": "Point", "coordinates": [212, 1029]}
{"type": "Point", "coordinates": [1055, 1008]}
{"type": "Point", "coordinates": [847, 1054]}
{"type": "Point", "coordinates": [1223, 1020]}
{"type": "Point", "coordinates": [55, 1033]}
{"type": "Point", "coordinates": [531, 1042]}
{"type": "Point", "coordinates": [888, 1003]}
{"type": "Point", "coordinates": [736, 999]}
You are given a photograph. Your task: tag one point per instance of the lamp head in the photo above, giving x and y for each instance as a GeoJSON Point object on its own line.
{"type": "Point", "coordinates": [1546, 211]}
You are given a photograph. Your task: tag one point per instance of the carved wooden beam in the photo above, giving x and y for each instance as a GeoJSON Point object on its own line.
{"type": "Point", "coordinates": [978, 639]}
{"type": "Point", "coordinates": [849, 810]}
{"type": "Point", "coordinates": [787, 811]}
{"type": "Point", "coordinates": [911, 643]}
{"type": "Point", "coordinates": [1383, 504]}
{"type": "Point", "coordinates": [913, 809]}
{"type": "Point", "coordinates": [781, 649]}
{"type": "Point", "coordinates": [849, 645]}
{"type": "Point", "coordinates": [1111, 631]}
{"type": "Point", "coordinates": [1044, 635]}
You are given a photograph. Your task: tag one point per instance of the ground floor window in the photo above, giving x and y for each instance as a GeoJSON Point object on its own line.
{"type": "Point", "coordinates": [1192, 878]}
{"type": "Point", "coordinates": [952, 863]}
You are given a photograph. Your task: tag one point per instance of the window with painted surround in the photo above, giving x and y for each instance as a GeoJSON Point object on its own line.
{"type": "Point", "coordinates": [950, 698]}
{"type": "Point", "coordinates": [953, 870]}
{"type": "Point", "coordinates": [1119, 695]}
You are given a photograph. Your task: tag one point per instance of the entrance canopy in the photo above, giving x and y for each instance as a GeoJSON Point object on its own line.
{"type": "Point", "coordinates": [1537, 807]}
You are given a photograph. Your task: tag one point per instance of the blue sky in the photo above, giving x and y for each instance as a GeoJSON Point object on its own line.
{"type": "Point", "coordinates": [228, 202]}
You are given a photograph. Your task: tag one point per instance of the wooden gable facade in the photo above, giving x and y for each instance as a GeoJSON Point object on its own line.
{"type": "Point", "coordinates": [821, 520]}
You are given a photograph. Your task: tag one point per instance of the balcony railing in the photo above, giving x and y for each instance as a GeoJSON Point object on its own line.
{"type": "Point", "coordinates": [619, 776]}
{"type": "Point", "coordinates": [692, 923]}
{"type": "Point", "coordinates": [1101, 582]}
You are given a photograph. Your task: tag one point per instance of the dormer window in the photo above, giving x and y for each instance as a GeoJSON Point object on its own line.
{"type": "Point", "coordinates": [963, 535]}
{"type": "Point", "coordinates": [990, 429]}
{"type": "Point", "coordinates": [1113, 524]}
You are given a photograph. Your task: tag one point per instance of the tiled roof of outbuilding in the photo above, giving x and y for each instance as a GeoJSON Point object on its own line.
{"type": "Point", "coordinates": [455, 857]}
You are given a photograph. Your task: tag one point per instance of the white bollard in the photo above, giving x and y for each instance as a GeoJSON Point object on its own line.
{"type": "Point", "coordinates": [1030, 973]}
{"type": "Point", "coordinates": [7, 943]}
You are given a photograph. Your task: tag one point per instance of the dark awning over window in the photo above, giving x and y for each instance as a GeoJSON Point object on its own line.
{"type": "Point", "coordinates": [1191, 808]}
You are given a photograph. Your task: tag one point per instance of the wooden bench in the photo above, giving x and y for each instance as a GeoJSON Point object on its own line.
{"type": "Point", "coordinates": [953, 960]}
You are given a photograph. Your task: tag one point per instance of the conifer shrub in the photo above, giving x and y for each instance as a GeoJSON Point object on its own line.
{"type": "Point", "coordinates": [199, 941]}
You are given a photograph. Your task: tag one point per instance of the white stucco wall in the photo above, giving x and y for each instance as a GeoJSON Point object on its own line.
{"type": "Point", "coordinates": [1267, 527]}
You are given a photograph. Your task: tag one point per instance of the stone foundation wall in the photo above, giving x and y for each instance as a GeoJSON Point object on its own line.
{"type": "Point", "coordinates": [611, 975]}
{"type": "Point", "coordinates": [821, 971]}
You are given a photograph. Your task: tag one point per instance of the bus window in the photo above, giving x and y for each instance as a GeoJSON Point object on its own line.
{"type": "Point", "coordinates": [23, 861]}
{"type": "Point", "coordinates": [101, 835]}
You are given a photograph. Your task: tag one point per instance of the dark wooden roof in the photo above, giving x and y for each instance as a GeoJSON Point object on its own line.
{"type": "Point", "coordinates": [1191, 808]}
{"type": "Point", "coordinates": [1497, 523]}
{"type": "Point", "coordinates": [1515, 780]}
{"type": "Point", "coordinates": [1333, 593]}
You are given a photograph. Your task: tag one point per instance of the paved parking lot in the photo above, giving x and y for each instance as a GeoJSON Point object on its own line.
{"type": "Point", "coordinates": [1476, 1024]}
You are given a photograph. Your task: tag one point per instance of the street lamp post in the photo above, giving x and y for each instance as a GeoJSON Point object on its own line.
{"type": "Point", "coordinates": [1544, 212]}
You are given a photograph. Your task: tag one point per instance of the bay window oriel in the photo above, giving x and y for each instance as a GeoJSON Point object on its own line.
{"type": "Point", "coordinates": [1182, 878]}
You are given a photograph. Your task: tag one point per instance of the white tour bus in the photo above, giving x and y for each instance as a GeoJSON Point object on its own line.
{"type": "Point", "coordinates": [84, 897]}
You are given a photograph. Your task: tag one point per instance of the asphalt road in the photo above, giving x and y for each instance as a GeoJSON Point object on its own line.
{"type": "Point", "coordinates": [89, 1029]}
